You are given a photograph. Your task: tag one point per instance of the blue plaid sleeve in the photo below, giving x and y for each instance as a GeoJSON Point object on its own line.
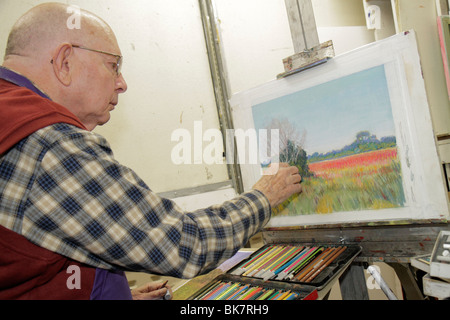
{"type": "Point", "coordinates": [85, 205]}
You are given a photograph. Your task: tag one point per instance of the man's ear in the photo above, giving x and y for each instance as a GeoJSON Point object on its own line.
{"type": "Point", "coordinates": [62, 63]}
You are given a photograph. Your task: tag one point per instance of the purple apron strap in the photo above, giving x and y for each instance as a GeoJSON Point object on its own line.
{"type": "Point", "coordinates": [110, 285]}
{"type": "Point", "coordinates": [20, 81]}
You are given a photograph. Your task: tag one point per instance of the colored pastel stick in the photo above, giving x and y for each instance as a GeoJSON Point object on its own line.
{"type": "Point", "coordinates": [292, 296]}
{"type": "Point", "coordinates": [227, 292]}
{"type": "Point", "coordinates": [295, 261]}
{"type": "Point", "coordinates": [302, 273]}
{"type": "Point", "coordinates": [244, 294]}
{"type": "Point", "coordinates": [308, 260]}
{"type": "Point", "coordinates": [237, 293]}
{"type": "Point", "coordinates": [266, 294]}
{"type": "Point", "coordinates": [275, 295]}
{"type": "Point", "coordinates": [290, 259]}
{"type": "Point", "coordinates": [319, 264]}
{"type": "Point", "coordinates": [220, 291]}
{"type": "Point", "coordinates": [215, 291]}
{"type": "Point", "coordinates": [310, 257]}
{"type": "Point", "coordinates": [248, 293]}
{"type": "Point", "coordinates": [304, 256]}
{"type": "Point", "coordinates": [255, 294]}
{"type": "Point", "coordinates": [284, 295]}
{"type": "Point", "coordinates": [242, 268]}
{"type": "Point", "coordinates": [272, 262]}
{"type": "Point", "coordinates": [269, 262]}
{"type": "Point", "coordinates": [211, 291]}
{"type": "Point", "coordinates": [247, 264]}
{"type": "Point", "coordinates": [312, 265]}
{"type": "Point", "coordinates": [304, 262]}
{"type": "Point", "coordinates": [276, 262]}
{"type": "Point", "coordinates": [254, 259]}
{"type": "Point", "coordinates": [281, 264]}
{"type": "Point", "coordinates": [284, 269]}
{"type": "Point", "coordinates": [263, 262]}
{"type": "Point", "coordinates": [333, 257]}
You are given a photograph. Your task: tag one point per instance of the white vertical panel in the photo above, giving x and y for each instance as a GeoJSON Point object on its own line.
{"type": "Point", "coordinates": [421, 15]}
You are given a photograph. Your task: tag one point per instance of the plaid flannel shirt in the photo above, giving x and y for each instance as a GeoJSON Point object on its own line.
{"type": "Point", "coordinates": [63, 190]}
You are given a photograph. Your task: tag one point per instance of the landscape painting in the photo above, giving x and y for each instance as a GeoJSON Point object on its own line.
{"type": "Point", "coordinates": [341, 136]}
{"type": "Point", "coordinates": [359, 129]}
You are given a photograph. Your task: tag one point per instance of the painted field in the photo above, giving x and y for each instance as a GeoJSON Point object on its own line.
{"type": "Point", "coordinates": [370, 180]}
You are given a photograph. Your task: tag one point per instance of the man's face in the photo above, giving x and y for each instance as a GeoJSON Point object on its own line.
{"type": "Point", "coordinates": [97, 82]}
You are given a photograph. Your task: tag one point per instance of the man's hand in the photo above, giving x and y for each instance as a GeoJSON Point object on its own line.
{"type": "Point", "coordinates": [279, 186]}
{"type": "Point", "coordinates": [151, 291]}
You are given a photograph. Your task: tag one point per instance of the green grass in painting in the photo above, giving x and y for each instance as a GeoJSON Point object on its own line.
{"type": "Point", "coordinates": [371, 180]}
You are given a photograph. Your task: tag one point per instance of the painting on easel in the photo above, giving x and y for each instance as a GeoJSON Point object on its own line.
{"type": "Point", "coordinates": [359, 129]}
{"type": "Point", "coordinates": [341, 136]}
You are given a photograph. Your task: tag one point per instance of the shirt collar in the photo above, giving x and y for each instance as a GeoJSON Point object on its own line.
{"type": "Point", "coordinates": [20, 81]}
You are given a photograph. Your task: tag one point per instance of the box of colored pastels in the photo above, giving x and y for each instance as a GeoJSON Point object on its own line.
{"type": "Point", "coordinates": [281, 272]}
{"type": "Point", "coordinates": [231, 288]}
{"type": "Point", "coordinates": [314, 265]}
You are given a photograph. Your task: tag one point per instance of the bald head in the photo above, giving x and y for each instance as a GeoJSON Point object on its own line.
{"type": "Point", "coordinates": [47, 25]}
{"type": "Point", "coordinates": [70, 54]}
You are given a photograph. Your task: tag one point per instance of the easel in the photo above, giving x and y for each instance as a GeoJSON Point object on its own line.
{"type": "Point", "coordinates": [389, 242]}
{"type": "Point", "coordinates": [308, 50]}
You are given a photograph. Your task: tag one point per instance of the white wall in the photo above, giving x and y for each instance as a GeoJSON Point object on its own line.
{"type": "Point", "coordinates": [169, 84]}
{"type": "Point", "coordinates": [256, 36]}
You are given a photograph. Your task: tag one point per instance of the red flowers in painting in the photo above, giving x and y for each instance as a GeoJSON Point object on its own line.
{"type": "Point", "coordinates": [363, 163]}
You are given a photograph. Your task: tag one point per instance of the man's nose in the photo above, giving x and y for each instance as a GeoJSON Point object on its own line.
{"type": "Point", "coordinates": [121, 84]}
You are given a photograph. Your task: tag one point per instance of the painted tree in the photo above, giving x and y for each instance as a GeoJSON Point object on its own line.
{"type": "Point", "coordinates": [291, 145]}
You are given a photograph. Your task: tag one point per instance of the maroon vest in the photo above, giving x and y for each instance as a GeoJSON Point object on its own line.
{"type": "Point", "coordinates": [31, 272]}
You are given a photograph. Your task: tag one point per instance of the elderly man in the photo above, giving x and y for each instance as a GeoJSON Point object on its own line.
{"type": "Point", "coordinates": [67, 207]}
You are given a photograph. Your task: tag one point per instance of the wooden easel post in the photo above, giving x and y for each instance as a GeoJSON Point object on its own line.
{"type": "Point", "coordinates": [309, 52]}
{"type": "Point", "coordinates": [302, 24]}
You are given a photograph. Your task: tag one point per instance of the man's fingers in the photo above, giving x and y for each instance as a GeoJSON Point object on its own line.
{"type": "Point", "coordinates": [281, 184]}
{"type": "Point", "coordinates": [295, 178]}
{"type": "Point", "coordinates": [295, 188]}
{"type": "Point", "coordinates": [292, 173]}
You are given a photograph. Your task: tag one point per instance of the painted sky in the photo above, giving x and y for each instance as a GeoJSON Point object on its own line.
{"type": "Point", "coordinates": [334, 112]}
